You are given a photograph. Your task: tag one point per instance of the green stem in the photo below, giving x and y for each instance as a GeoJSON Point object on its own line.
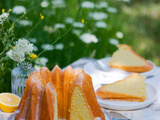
{"type": "Point", "coordinates": [3, 59]}
{"type": "Point", "coordinates": [32, 29]}
{"type": "Point", "coordinates": [56, 40]}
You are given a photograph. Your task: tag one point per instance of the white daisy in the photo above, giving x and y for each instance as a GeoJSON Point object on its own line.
{"type": "Point", "coordinates": [25, 22]}
{"type": "Point", "coordinates": [49, 29]}
{"type": "Point", "coordinates": [47, 47]}
{"type": "Point", "coordinates": [43, 60]}
{"type": "Point", "coordinates": [119, 34]}
{"type": "Point", "coordinates": [113, 41]}
{"type": "Point", "coordinates": [44, 4]}
{"type": "Point", "coordinates": [98, 15]}
{"type": "Point", "coordinates": [77, 32]}
{"type": "Point", "coordinates": [19, 9]}
{"type": "Point", "coordinates": [59, 25]}
{"type": "Point", "coordinates": [124, 0]}
{"type": "Point", "coordinates": [78, 25]}
{"type": "Point", "coordinates": [33, 40]}
{"type": "Point", "coordinates": [59, 46]}
{"type": "Point", "coordinates": [17, 55]}
{"type": "Point", "coordinates": [101, 24]}
{"type": "Point", "coordinates": [58, 3]}
{"type": "Point", "coordinates": [102, 4]}
{"type": "Point", "coordinates": [88, 38]}
{"type": "Point", "coordinates": [3, 17]}
{"type": "Point", "coordinates": [87, 4]}
{"type": "Point", "coordinates": [112, 10]}
{"type": "Point", "coordinates": [69, 20]}
{"type": "Point", "coordinates": [24, 45]}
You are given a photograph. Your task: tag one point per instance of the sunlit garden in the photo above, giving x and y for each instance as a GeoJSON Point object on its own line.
{"type": "Point", "coordinates": [70, 30]}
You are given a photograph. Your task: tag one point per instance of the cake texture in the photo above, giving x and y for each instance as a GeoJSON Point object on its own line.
{"type": "Point", "coordinates": [132, 88]}
{"type": "Point", "coordinates": [59, 95]}
{"type": "Point", "coordinates": [127, 59]}
{"type": "Point", "coordinates": [82, 102]}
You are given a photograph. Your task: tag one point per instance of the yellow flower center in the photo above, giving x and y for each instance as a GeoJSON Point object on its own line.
{"type": "Point", "coordinates": [42, 16]}
{"type": "Point", "coordinates": [33, 56]}
{"type": "Point", "coordinates": [13, 47]}
{"type": "Point", "coordinates": [82, 20]}
{"type": "Point", "coordinates": [3, 10]}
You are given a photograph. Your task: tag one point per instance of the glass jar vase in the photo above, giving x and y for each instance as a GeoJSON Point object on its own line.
{"type": "Point", "coordinates": [19, 76]}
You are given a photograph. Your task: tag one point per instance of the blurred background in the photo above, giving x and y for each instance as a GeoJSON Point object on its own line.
{"type": "Point", "coordinates": [95, 28]}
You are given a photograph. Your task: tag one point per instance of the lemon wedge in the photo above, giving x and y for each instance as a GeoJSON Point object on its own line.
{"type": "Point", "coordinates": [9, 102]}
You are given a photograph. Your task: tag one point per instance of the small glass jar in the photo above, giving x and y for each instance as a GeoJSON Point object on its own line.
{"type": "Point", "coordinates": [19, 76]}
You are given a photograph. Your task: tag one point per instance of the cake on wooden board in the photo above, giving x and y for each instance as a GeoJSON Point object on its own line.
{"type": "Point", "coordinates": [127, 59]}
{"type": "Point", "coordinates": [59, 95]}
{"type": "Point", "coordinates": [132, 88]}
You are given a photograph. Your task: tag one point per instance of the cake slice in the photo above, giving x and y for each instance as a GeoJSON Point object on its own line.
{"type": "Point", "coordinates": [126, 59]}
{"type": "Point", "coordinates": [131, 88]}
{"type": "Point", "coordinates": [84, 105]}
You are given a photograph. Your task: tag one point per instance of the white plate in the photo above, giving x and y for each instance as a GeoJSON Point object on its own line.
{"type": "Point", "coordinates": [124, 105]}
{"type": "Point", "coordinates": [103, 64]}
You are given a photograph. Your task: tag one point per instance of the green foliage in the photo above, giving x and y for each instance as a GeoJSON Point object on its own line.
{"type": "Point", "coordinates": [138, 29]}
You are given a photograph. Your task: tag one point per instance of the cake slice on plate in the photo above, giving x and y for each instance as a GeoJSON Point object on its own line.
{"type": "Point", "coordinates": [126, 59]}
{"type": "Point", "coordinates": [131, 88]}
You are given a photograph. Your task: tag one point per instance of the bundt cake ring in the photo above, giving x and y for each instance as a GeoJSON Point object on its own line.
{"type": "Point", "coordinates": [57, 95]}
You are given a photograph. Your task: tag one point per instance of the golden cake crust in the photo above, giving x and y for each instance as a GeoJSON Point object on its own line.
{"type": "Point", "coordinates": [68, 80]}
{"type": "Point", "coordinates": [147, 67]}
{"type": "Point", "coordinates": [110, 95]}
{"type": "Point", "coordinates": [117, 96]}
{"type": "Point", "coordinates": [48, 102]}
{"type": "Point", "coordinates": [47, 73]}
{"type": "Point", "coordinates": [88, 95]}
{"type": "Point", "coordinates": [57, 79]}
{"type": "Point", "coordinates": [41, 86]}
{"type": "Point", "coordinates": [25, 100]}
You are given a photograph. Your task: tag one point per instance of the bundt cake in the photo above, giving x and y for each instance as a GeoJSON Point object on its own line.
{"type": "Point", "coordinates": [126, 59]}
{"type": "Point", "coordinates": [57, 75]}
{"type": "Point", "coordinates": [81, 98]}
{"type": "Point", "coordinates": [132, 88]}
{"type": "Point", "coordinates": [59, 95]}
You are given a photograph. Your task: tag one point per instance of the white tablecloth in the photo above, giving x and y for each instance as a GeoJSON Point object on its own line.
{"type": "Point", "coordinates": [151, 112]}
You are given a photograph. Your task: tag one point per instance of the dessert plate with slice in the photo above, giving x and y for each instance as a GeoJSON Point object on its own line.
{"type": "Point", "coordinates": [126, 105]}
{"type": "Point", "coordinates": [126, 59]}
{"type": "Point", "coordinates": [103, 65]}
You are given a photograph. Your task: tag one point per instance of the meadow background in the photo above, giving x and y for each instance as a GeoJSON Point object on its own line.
{"type": "Point", "coordinates": [95, 28]}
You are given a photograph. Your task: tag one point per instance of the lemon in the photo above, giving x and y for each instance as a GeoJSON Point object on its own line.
{"type": "Point", "coordinates": [9, 102]}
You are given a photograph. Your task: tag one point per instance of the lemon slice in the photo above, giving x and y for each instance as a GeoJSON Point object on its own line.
{"type": "Point", "coordinates": [9, 102]}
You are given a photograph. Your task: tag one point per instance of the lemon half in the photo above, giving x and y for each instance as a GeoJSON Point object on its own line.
{"type": "Point", "coordinates": [9, 102]}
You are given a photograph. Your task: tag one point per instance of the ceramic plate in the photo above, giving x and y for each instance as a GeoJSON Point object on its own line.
{"type": "Point", "coordinates": [124, 105]}
{"type": "Point", "coordinates": [103, 64]}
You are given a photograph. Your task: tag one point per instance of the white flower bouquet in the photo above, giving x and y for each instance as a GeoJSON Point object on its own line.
{"type": "Point", "coordinates": [19, 50]}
